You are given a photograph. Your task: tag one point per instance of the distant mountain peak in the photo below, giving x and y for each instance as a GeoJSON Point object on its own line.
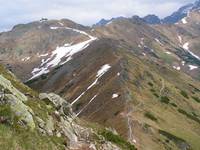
{"type": "Point", "coordinates": [152, 19]}
{"type": "Point", "coordinates": [181, 13]}
{"type": "Point", "coordinates": [171, 19]}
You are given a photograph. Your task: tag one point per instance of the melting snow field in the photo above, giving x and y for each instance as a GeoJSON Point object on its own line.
{"type": "Point", "coordinates": [186, 47]}
{"type": "Point", "coordinates": [100, 73]}
{"type": "Point", "coordinates": [66, 51]}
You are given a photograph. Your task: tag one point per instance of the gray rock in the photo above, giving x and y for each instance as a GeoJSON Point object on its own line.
{"type": "Point", "coordinates": [6, 84]}
{"type": "Point", "coordinates": [23, 112]}
{"type": "Point", "coordinates": [50, 126]}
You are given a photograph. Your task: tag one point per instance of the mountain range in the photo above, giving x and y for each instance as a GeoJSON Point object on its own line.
{"type": "Point", "coordinates": [171, 19]}
{"type": "Point", "coordinates": [125, 83]}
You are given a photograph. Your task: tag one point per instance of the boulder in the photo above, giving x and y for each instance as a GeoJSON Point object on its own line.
{"type": "Point", "coordinates": [23, 112]}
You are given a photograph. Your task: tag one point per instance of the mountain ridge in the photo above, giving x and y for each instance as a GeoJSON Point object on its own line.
{"type": "Point", "coordinates": [134, 81]}
{"type": "Point", "coordinates": [171, 19]}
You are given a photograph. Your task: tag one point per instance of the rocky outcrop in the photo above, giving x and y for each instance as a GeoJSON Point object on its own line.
{"type": "Point", "coordinates": [23, 112]}
{"type": "Point", "coordinates": [69, 126]}
{"type": "Point", "coordinates": [6, 85]}
{"type": "Point", "coordinates": [10, 95]}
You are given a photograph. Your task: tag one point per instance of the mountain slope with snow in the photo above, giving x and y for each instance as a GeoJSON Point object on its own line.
{"type": "Point", "coordinates": [136, 79]}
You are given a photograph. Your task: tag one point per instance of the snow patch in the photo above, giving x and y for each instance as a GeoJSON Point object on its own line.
{"type": "Point", "coordinates": [180, 38]}
{"type": "Point", "coordinates": [184, 21]}
{"type": "Point", "coordinates": [134, 141]}
{"type": "Point", "coordinates": [43, 55]}
{"type": "Point", "coordinates": [66, 51]}
{"type": "Point", "coordinates": [139, 46]}
{"type": "Point", "coordinates": [54, 28]}
{"type": "Point", "coordinates": [167, 52]}
{"type": "Point", "coordinates": [157, 40]}
{"type": "Point", "coordinates": [25, 58]}
{"type": "Point", "coordinates": [86, 105]}
{"type": "Point", "coordinates": [192, 67]}
{"type": "Point", "coordinates": [144, 54]}
{"type": "Point", "coordinates": [110, 22]}
{"type": "Point", "coordinates": [186, 47]}
{"type": "Point", "coordinates": [99, 74]}
{"type": "Point", "coordinates": [142, 41]}
{"type": "Point", "coordinates": [61, 23]}
{"type": "Point", "coordinates": [103, 70]}
{"type": "Point", "coordinates": [183, 63]}
{"type": "Point", "coordinates": [177, 68]}
{"type": "Point", "coordinates": [115, 95]}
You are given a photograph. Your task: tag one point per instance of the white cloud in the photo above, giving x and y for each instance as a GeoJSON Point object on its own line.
{"type": "Point", "coordinates": [85, 12]}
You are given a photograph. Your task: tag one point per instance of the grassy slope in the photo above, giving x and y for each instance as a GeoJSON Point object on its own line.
{"type": "Point", "coordinates": [146, 79]}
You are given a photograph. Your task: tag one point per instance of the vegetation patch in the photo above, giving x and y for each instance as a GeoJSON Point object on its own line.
{"type": "Point", "coordinates": [150, 116]}
{"type": "Point", "coordinates": [152, 90]}
{"type": "Point", "coordinates": [181, 143]}
{"type": "Point", "coordinates": [116, 139]}
{"type": "Point", "coordinates": [183, 93]}
{"type": "Point", "coordinates": [192, 117]}
{"type": "Point", "coordinates": [164, 99]}
{"type": "Point", "coordinates": [196, 99]}
{"type": "Point", "coordinates": [173, 104]}
{"type": "Point", "coordinates": [156, 95]}
{"type": "Point", "coordinates": [150, 84]}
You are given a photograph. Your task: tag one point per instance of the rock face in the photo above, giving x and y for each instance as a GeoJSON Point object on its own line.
{"type": "Point", "coordinates": [6, 85]}
{"type": "Point", "coordinates": [23, 112]}
{"type": "Point", "coordinates": [16, 101]}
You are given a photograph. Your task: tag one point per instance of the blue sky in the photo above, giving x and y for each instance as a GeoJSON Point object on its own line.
{"type": "Point", "coordinates": [85, 12]}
